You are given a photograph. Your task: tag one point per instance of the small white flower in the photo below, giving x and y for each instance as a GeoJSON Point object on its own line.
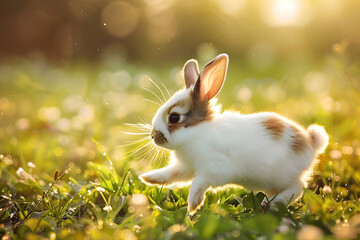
{"type": "Point", "coordinates": [100, 189]}
{"type": "Point", "coordinates": [20, 171]}
{"type": "Point", "coordinates": [24, 175]}
{"type": "Point", "coordinates": [31, 165]}
{"type": "Point", "coordinates": [327, 189]}
{"type": "Point", "coordinates": [107, 208]}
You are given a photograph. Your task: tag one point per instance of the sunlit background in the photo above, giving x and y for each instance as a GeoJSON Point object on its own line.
{"type": "Point", "coordinates": [171, 31]}
{"type": "Point", "coordinates": [81, 65]}
{"type": "Point", "coordinates": [76, 70]}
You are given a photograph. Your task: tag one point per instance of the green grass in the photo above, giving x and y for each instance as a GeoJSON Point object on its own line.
{"type": "Point", "coordinates": [83, 183]}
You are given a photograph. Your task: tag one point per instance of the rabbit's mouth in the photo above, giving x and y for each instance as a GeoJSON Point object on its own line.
{"type": "Point", "coordinates": [158, 137]}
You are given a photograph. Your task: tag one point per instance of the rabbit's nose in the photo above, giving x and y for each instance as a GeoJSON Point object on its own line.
{"type": "Point", "coordinates": [158, 137]}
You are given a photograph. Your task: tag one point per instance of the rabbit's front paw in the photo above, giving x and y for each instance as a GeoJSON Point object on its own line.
{"type": "Point", "coordinates": [152, 178]}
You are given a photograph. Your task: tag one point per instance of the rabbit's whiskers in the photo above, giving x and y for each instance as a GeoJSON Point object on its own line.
{"type": "Point", "coordinates": [153, 93]}
{"type": "Point", "coordinates": [163, 98]}
{"type": "Point", "coordinates": [161, 91]}
{"type": "Point", "coordinates": [152, 101]}
{"type": "Point", "coordinates": [144, 148]}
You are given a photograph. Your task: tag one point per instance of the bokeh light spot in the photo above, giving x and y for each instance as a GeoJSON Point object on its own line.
{"type": "Point", "coordinates": [316, 81]}
{"type": "Point", "coordinates": [63, 124]}
{"type": "Point", "coordinates": [348, 150]}
{"type": "Point", "coordinates": [4, 104]}
{"type": "Point", "coordinates": [50, 114]}
{"type": "Point", "coordinates": [139, 199]}
{"type": "Point", "coordinates": [244, 94]}
{"type": "Point", "coordinates": [308, 232]}
{"type": "Point", "coordinates": [205, 51]}
{"type": "Point", "coordinates": [22, 124]}
{"type": "Point", "coordinates": [58, 151]}
{"type": "Point", "coordinates": [335, 154]}
{"type": "Point", "coordinates": [119, 18]}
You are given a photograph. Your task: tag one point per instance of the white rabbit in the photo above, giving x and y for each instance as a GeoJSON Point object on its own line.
{"type": "Point", "coordinates": [261, 152]}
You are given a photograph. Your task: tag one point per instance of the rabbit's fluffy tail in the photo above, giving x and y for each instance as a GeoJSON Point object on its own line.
{"type": "Point", "coordinates": [319, 137]}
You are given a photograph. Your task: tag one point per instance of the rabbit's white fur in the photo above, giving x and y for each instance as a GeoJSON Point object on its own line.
{"type": "Point", "coordinates": [232, 148]}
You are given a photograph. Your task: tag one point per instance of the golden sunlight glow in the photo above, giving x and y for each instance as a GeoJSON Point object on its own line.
{"type": "Point", "coordinates": [284, 13]}
{"type": "Point", "coordinates": [231, 6]}
{"type": "Point", "coordinates": [161, 19]}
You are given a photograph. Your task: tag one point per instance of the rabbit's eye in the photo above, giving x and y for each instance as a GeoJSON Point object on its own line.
{"type": "Point", "coordinates": [174, 118]}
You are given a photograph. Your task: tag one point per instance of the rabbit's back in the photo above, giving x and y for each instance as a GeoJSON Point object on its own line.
{"type": "Point", "coordinates": [258, 151]}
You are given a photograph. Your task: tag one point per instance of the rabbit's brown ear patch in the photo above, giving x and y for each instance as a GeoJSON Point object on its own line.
{"type": "Point", "coordinates": [275, 126]}
{"type": "Point", "coordinates": [300, 141]}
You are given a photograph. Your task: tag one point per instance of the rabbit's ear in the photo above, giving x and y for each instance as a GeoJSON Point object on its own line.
{"type": "Point", "coordinates": [191, 72]}
{"type": "Point", "coordinates": [212, 77]}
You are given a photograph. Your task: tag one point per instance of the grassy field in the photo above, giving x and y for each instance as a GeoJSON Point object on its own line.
{"type": "Point", "coordinates": [67, 170]}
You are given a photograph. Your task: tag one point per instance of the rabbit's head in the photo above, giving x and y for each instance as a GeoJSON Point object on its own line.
{"type": "Point", "coordinates": [175, 121]}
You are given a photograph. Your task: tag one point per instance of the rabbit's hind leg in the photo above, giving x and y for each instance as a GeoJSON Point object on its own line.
{"type": "Point", "coordinates": [286, 196]}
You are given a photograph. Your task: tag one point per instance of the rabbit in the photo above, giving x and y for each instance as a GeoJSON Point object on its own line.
{"type": "Point", "coordinates": [260, 152]}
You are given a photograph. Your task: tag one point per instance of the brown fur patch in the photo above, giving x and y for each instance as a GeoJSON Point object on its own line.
{"type": "Point", "coordinates": [200, 110]}
{"type": "Point", "coordinates": [312, 139]}
{"type": "Point", "coordinates": [172, 127]}
{"type": "Point", "coordinates": [275, 126]}
{"type": "Point", "coordinates": [158, 137]}
{"type": "Point", "coordinates": [300, 141]}
{"type": "Point", "coordinates": [174, 175]}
